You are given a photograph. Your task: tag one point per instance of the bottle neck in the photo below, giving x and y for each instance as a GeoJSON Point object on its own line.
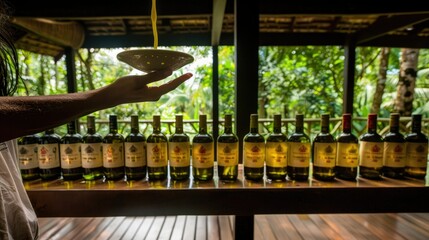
{"type": "Point", "coordinates": [113, 125]}
{"type": "Point", "coordinates": [90, 125]}
{"type": "Point", "coordinates": [299, 124]}
{"type": "Point", "coordinates": [416, 123]}
{"type": "Point", "coordinates": [156, 124]}
{"type": "Point", "coordinates": [179, 124]}
{"type": "Point", "coordinates": [394, 123]}
{"type": "Point", "coordinates": [277, 126]}
{"type": "Point", "coordinates": [254, 123]}
{"type": "Point", "coordinates": [347, 127]}
{"type": "Point", "coordinates": [325, 124]}
{"type": "Point", "coordinates": [71, 128]}
{"type": "Point", "coordinates": [372, 124]}
{"type": "Point", "coordinates": [134, 124]}
{"type": "Point", "coordinates": [228, 124]}
{"type": "Point", "coordinates": [203, 124]}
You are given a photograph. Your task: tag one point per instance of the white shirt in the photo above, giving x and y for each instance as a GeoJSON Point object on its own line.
{"type": "Point", "coordinates": [18, 221]}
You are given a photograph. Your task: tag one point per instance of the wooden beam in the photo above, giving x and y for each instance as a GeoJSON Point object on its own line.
{"type": "Point", "coordinates": [246, 43]}
{"type": "Point", "coordinates": [96, 9]}
{"type": "Point", "coordinates": [349, 76]}
{"type": "Point", "coordinates": [67, 34]}
{"type": "Point", "coordinates": [217, 20]}
{"type": "Point", "coordinates": [384, 25]}
{"type": "Point", "coordinates": [339, 7]}
{"type": "Point", "coordinates": [215, 94]}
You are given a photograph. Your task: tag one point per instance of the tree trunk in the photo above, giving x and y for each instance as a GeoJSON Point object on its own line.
{"type": "Point", "coordinates": [381, 82]}
{"type": "Point", "coordinates": [41, 80]}
{"type": "Point", "coordinates": [88, 66]}
{"type": "Point", "coordinates": [407, 81]}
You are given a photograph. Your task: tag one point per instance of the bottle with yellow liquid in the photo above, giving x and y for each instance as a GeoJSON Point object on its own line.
{"type": "Point", "coordinates": [113, 151]}
{"type": "Point", "coordinates": [70, 152]}
{"type": "Point", "coordinates": [347, 161]}
{"type": "Point", "coordinates": [179, 148]}
{"type": "Point", "coordinates": [298, 167]}
{"type": "Point", "coordinates": [28, 159]}
{"type": "Point", "coordinates": [227, 152]}
{"type": "Point", "coordinates": [92, 152]}
{"type": "Point", "coordinates": [371, 150]}
{"type": "Point", "coordinates": [202, 152]}
{"type": "Point", "coordinates": [157, 152]}
{"type": "Point", "coordinates": [135, 152]}
{"type": "Point", "coordinates": [417, 149]}
{"type": "Point", "coordinates": [394, 150]}
{"type": "Point", "coordinates": [253, 152]}
{"type": "Point", "coordinates": [324, 152]}
{"type": "Point", "coordinates": [276, 152]}
{"type": "Point", "coordinates": [49, 155]}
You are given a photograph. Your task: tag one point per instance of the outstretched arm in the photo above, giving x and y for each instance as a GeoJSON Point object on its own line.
{"type": "Point", "coordinates": [20, 116]}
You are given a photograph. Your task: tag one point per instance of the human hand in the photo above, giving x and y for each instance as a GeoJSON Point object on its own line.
{"type": "Point", "coordinates": [135, 88]}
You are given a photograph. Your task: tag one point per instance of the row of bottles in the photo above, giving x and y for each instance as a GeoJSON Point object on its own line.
{"type": "Point", "coordinates": [92, 156]}
{"type": "Point", "coordinates": [346, 156]}
{"type": "Point", "coordinates": [277, 156]}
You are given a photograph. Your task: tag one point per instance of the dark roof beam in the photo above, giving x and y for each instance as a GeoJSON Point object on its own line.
{"type": "Point", "coordinates": [384, 25]}
{"type": "Point", "coordinates": [217, 20]}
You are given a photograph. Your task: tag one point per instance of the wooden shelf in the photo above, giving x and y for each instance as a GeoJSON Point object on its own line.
{"type": "Point", "coordinates": [80, 198]}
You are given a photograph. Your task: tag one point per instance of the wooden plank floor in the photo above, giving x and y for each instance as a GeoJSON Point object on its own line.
{"type": "Point", "coordinates": [389, 226]}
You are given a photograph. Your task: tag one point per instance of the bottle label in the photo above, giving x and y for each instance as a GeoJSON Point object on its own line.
{"type": "Point", "coordinates": [157, 154]}
{"type": "Point", "coordinates": [92, 155]}
{"type": "Point", "coordinates": [227, 154]}
{"type": "Point", "coordinates": [203, 155]}
{"type": "Point", "coordinates": [179, 153]}
{"type": "Point", "coordinates": [417, 155]}
{"type": "Point", "coordinates": [347, 154]}
{"type": "Point", "coordinates": [276, 154]}
{"type": "Point", "coordinates": [394, 154]}
{"type": "Point", "coordinates": [371, 154]}
{"type": "Point", "coordinates": [253, 154]}
{"type": "Point", "coordinates": [135, 154]}
{"type": "Point", "coordinates": [113, 155]}
{"type": "Point", "coordinates": [48, 156]}
{"type": "Point", "coordinates": [28, 156]}
{"type": "Point", "coordinates": [70, 156]}
{"type": "Point", "coordinates": [299, 154]}
{"type": "Point", "coordinates": [324, 154]}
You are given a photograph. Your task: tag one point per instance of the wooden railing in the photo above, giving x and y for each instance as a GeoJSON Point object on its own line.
{"type": "Point", "coordinates": [311, 125]}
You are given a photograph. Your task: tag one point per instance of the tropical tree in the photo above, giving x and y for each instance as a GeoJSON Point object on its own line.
{"type": "Point", "coordinates": [407, 81]}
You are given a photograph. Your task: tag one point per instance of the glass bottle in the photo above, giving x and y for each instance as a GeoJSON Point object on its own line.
{"type": "Point", "coordinates": [135, 152]}
{"type": "Point", "coordinates": [157, 152]}
{"type": "Point", "coordinates": [371, 150]}
{"type": "Point", "coordinates": [113, 151]}
{"type": "Point", "coordinates": [179, 152]}
{"type": "Point", "coordinates": [394, 150]}
{"type": "Point", "coordinates": [347, 160]}
{"type": "Point", "coordinates": [227, 152]}
{"type": "Point", "coordinates": [324, 152]}
{"type": "Point", "coordinates": [28, 159]}
{"type": "Point", "coordinates": [92, 152]}
{"type": "Point", "coordinates": [202, 152]}
{"type": "Point", "coordinates": [253, 152]}
{"type": "Point", "coordinates": [49, 155]}
{"type": "Point", "coordinates": [71, 162]}
{"type": "Point", "coordinates": [298, 167]}
{"type": "Point", "coordinates": [276, 152]}
{"type": "Point", "coordinates": [417, 149]}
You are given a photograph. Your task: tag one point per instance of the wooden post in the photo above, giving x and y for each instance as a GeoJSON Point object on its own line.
{"type": "Point", "coordinates": [246, 41]}
{"type": "Point", "coordinates": [349, 76]}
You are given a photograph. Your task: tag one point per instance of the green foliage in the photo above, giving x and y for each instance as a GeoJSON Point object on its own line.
{"type": "Point", "coordinates": [304, 80]}
{"type": "Point", "coordinates": [296, 79]}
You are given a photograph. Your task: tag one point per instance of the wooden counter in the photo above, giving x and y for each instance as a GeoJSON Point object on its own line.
{"type": "Point", "coordinates": [242, 198]}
